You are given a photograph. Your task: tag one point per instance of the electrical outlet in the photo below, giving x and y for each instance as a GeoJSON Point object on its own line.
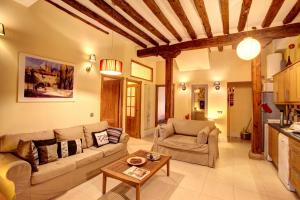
{"type": "Point", "coordinates": [91, 114]}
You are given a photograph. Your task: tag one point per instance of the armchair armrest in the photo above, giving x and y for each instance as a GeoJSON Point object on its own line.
{"type": "Point", "coordinates": [124, 138]}
{"type": "Point", "coordinates": [213, 147]}
{"type": "Point", "coordinates": [14, 177]}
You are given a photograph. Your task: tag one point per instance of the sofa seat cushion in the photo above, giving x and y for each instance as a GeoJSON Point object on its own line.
{"type": "Point", "coordinates": [109, 149]}
{"type": "Point", "coordinates": [51, 170]}
{"type": "Point", "coordinates": [88, 156]}
{"type": "Point", "coordinates": [184, 142]}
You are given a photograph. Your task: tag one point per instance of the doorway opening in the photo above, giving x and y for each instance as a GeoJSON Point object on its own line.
{"type": "Point", "coordinates": [160, 104]}
{"type": "Point", "coordinates": [240, 110]}
{"type": "Point", "coordinates": [133, 108]}
{"type": "Point", "coordinates": [111, 105]}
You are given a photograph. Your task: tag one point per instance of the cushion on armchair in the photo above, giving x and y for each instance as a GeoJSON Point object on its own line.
{"type": "Point", "coordinates": [202, 136]}
{"type": "Point", "coordinates": [166, 130]}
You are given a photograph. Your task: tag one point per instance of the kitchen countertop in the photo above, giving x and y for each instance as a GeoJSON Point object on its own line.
{"type": "Point", "coordinates": [279, 128]}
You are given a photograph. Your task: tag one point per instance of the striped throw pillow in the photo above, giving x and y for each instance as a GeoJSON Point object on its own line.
{"type": "Point", "coordinates": [27, 151]}
{"type": "Point", "coordinates": [47, 153]}
{"type": "Point", "coordinates": [114, 134]}
{"type": "Point", "coordinates": [69, 147]}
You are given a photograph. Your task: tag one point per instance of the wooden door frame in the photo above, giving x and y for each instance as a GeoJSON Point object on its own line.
{"type": "Point", "coordinates": [156, 100]}
{"type": "Point", "coordinates": [120, 96]}
{"type": "Point", "coordinates": [140, 107]}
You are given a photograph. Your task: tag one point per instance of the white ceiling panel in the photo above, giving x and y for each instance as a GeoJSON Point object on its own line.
{"type": "Point", "coordinates": [193, 60]}
{"type": "Point", "coordinates": [257, 13]}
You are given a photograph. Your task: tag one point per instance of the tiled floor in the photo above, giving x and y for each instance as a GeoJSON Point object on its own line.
{"type": "Point", "coordinates": [235, 178]}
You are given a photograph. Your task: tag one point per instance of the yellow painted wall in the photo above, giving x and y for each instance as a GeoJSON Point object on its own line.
{"type": "Point", "coordinates": [241, 112]}
{"type": "Point", "coordinates": [294, 53]}
{"type": "Point", "coordinates": [45, 31]}
{"type": "Point", "coordinates": [225, 67]}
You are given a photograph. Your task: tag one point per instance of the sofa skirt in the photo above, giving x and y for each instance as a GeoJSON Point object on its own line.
{"type": "Point", "coordinates": [182, 155]}
{"type": "Point", "coordinates": [61, 184]}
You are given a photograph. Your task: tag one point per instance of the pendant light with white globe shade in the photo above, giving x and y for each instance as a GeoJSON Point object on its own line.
{"type": "Point", "coordinates": [248, 48]}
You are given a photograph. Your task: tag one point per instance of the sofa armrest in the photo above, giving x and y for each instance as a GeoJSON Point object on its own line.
{"type": "Point", "coordinates": [15, 177]}
{"type": "Point", "coordinates": [213, 147]}
{"type": "Point", "coordinates": [124, 138]}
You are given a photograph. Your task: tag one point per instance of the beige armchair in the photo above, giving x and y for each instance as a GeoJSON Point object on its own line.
{"type": "Point", "coordinates": [182, 143]}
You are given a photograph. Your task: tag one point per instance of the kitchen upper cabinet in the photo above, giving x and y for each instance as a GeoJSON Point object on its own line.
{"type": "Point", "coordinates": [295, 83]}
{"type": "Point", "coordinates": [273, 145]}
{"type": "Point", "coordinates": [287, 85]}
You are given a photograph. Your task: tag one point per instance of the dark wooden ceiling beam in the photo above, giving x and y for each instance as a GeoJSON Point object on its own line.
{"type": "Point", "coordinates": [200, 7]}
{"type": "Point", "coordinates": [128, 9]}
{"type": "Point", "coordinates": [76, 16]}
{"type": "Point", "coordinates": [272, 12]}
{"type": "Point", "coordinates": [102, 20]}
{"type": "Point", "coordinates": [176, 6]}
{"type": "Point", "coordinates": [293, 13]}
{"type": "Point", "coordinates": [225, 15]}
{"type": "Point", "coordinates": [122, 20]}
{"type": "Point", "coordinates": [277, 32]}
{"type": "Point", "coordinates": [162, 18]}
{"type": "Point", "coordinates": [244, 14]}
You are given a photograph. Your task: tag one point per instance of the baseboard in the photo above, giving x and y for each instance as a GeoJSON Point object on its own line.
{"type": "Point", "coordinates": [256, 156]}
{"type": "Point", "coordinates": [148, 132]}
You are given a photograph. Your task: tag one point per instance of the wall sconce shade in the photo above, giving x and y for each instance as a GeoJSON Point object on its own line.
{"type": "Point", "coordinates": [92, 60]}
{"type": "Point", "coordinates": [2, 31]}
{"type": "Point", "coordinates": [111, 67]}
{"type": "Point", "coordinates": [182, 86]}
{"type": "Point", "coordinates": [217, 85]}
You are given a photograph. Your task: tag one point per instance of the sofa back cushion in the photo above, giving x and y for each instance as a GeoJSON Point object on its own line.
{"type": "Point", "coordinates": [190, 127]}
{"type": "Point", "coordinates": [9, 143]}
{"type": "Point", "coordinates": [90, 128]}
{"type": "Point", "coordinates": [71, 133]}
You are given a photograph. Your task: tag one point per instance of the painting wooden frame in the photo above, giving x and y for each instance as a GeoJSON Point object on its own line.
{"type": "Point", "coordinates": [45, 80]}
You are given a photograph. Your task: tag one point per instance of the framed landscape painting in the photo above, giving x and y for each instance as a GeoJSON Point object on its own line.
{"type": "Point", "coordinates": [43, 79]}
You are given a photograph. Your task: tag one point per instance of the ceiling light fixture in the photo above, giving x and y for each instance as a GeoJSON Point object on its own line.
{"type": "Point", "coordinates": [248, 48]}
{"type": "Point", "coordinates": [111, 66]}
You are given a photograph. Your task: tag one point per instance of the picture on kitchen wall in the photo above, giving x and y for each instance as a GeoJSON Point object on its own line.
{"type": "Point", "coordinates": [42, 79]}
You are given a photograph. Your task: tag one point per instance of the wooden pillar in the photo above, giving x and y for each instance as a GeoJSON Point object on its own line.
{"type": "Point", "coordinates": [169, 107]}
{"type": "Point", "coordinates": [257, 135]}
{"type": "Point", "coordinates": [169, 98]}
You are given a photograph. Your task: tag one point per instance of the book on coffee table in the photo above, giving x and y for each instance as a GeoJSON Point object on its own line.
{"type": "Point", "coordinates": [136, 172]}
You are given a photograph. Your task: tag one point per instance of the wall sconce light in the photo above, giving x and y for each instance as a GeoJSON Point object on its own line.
{"type": "Point", "coordinates": [2, 31]}
{"type": "Point", "coordinates": [182, 86]}
{"type": "Point", "coordinates": [92, 60]}
{"type": "Point", "coordinates": [217, 85]}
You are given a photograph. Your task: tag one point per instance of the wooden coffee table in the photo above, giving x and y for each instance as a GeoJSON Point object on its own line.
{"type": "Point", "coordinates": [115, 170]}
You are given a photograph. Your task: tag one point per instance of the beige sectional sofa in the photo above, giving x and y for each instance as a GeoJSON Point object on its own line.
{"type": "Point", "coordinates": [53, 179]}
{"type": "Point", "coordinates": [182, 143]}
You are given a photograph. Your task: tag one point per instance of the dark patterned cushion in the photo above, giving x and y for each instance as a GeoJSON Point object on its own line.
{"type": "Point", "coordinates": [100, 138]}
{"type": "Point", "coordinates": [27, 151]}
{"type": "Point", "coordinates": [47, 153]}
{"type": "Point", "coordinates": [69, 147]}
{"type": "Point", "coordinates": [39, 143]}
{"type": "Point", "coordinates": [114, 134]}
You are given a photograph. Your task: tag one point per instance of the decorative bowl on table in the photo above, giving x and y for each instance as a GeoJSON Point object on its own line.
{"type": "Point", "coordinates": [136, 161]}
{"type": "Point", "coordinates": [153, 156]}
